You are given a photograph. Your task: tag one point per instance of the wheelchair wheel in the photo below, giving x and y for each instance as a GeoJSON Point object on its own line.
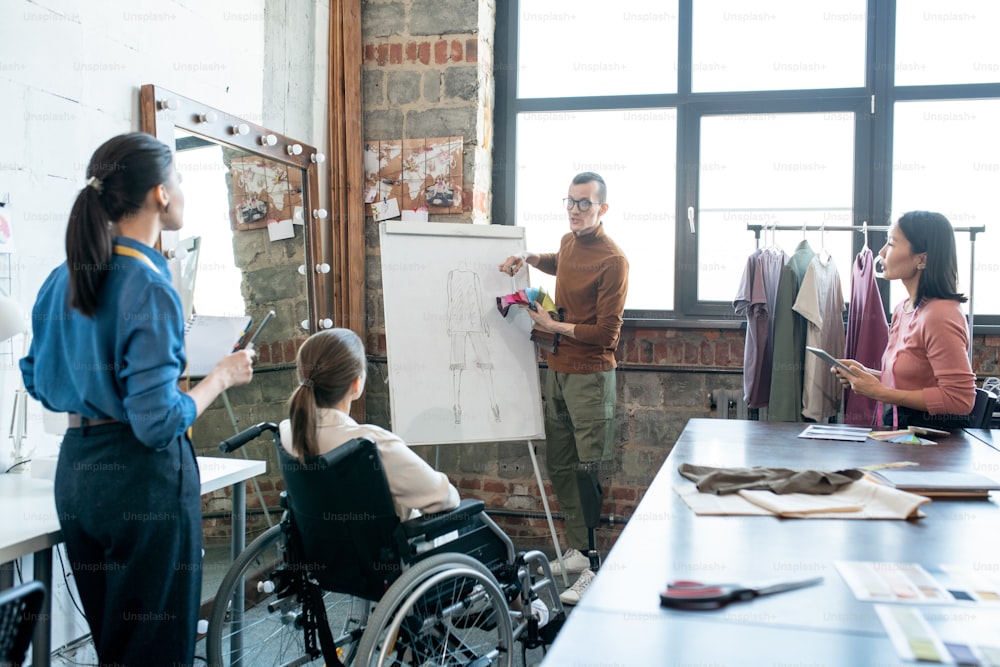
{"type": "Point", "coordinates": [445, 610]}
{"type": "Point", "coordinates": [269, 630]}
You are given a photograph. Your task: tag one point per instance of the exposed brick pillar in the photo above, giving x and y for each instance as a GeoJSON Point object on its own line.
{"type": "Point", "coordinates": [428, 73]}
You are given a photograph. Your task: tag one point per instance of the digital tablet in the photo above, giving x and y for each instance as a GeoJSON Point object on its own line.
{"type": "Point", "coordinates": [830, 359]}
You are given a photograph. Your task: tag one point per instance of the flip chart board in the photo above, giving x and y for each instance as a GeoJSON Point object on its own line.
{"type": "Point", "coordinates": [459, 371]}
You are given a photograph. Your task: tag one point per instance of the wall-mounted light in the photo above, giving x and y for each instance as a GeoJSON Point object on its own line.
{"type": "Point", "coordinates": [294, 149]}
{"type": "Point", "coordinates": [179, 252]}
{"type": "Point", "coordinates": [169, 103]}
{"type": "Point", "coordinates": [320, 268]}
{"type": "Point", "coordinates": [317, 158]}
{"type": "Point", "coordinates": [208, 117]}
{"type": "Point", "coordinates": [319, 213]}
{"type": "Point", "coordinates": [267, 140]}
{"type": "Point", "coordinates": [242, 128]}
{"type": "Point", "coordinates": [324, 323]}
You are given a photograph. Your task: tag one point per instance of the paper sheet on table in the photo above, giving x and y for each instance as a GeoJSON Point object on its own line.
{"type": "Point", "coordinates": [860, 500]}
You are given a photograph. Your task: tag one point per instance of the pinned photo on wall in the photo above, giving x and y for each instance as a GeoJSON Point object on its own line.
{"type": "Point", "coordinates": [263, 191]}
{"type": "Point", "coordinates": [423, 174]}
{"type": "Point", "coordinates": [385, 209]}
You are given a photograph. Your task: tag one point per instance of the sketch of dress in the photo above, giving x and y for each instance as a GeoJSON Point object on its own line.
{"type": "Point", "coordinates": [469, 334]}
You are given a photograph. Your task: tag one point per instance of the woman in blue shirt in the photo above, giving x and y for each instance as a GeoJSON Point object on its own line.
{"type": "Point", "coordinates": [108, 348]}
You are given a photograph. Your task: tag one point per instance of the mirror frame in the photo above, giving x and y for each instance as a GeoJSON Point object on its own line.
{"type": "Point", "coordinates": [162, 111]}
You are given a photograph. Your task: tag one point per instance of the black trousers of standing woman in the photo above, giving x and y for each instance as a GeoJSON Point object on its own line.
{"type": "Point", "coordinates": [131, 520]}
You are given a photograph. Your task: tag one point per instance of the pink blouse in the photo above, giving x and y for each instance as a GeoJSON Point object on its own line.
{"type": "Point", "coordinates": [928, 349]}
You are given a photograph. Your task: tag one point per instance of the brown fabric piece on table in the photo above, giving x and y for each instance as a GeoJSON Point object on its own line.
{"type": "Point", "coordinates": [721, 481]}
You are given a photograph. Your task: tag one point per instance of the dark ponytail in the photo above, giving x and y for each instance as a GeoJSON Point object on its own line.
{"type": "Point", "coordinates": [120, 174]}
{"type": "Point", "coordinates": [327, 363]}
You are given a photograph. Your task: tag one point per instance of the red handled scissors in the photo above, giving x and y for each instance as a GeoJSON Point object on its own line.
{"type": "Point", "coordinates": [697, 595]}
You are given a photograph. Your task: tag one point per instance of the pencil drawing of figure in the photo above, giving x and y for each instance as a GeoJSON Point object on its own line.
{"type": "Point", "coordinates": [469, 331]}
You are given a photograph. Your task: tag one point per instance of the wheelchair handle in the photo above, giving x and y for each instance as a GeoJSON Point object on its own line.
{"type": "Point", "coordinates": [243, 437]}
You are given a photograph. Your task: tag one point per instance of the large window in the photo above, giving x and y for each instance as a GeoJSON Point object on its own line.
{"type": "Point", "coordinates": [708, 118]}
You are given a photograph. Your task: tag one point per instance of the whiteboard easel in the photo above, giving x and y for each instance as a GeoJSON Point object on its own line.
{"type": "Point", "coordinates": [459, 371]}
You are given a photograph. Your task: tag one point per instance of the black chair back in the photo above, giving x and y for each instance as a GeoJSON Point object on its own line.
{"type": "Point", "coordinates": [982, 412]}
{"type": "Point", "coordinates": [343, 518]}
{"type": "Point", "coordinates": [19, 611]}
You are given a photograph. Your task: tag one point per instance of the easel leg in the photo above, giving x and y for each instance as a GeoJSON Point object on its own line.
{"type": "Point", "coordinates": [548, 512]}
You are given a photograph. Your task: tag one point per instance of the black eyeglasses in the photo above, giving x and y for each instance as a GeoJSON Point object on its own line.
{"type": "Point", "coordinates": [582, 204]}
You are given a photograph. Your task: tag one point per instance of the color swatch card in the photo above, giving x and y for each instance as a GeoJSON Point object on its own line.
{"type": "Point", "coordinates": [893, 582]}
{"type": "Point", "coordinates": [945, 635]}
{"type": "Point", "coordinates": [912, 583]}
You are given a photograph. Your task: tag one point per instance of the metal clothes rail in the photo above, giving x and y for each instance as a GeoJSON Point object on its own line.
{"type": "Point", "coordinates": [865, 228]}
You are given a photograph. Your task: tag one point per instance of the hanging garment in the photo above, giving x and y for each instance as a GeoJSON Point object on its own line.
{"type": "Point", "coordinates": [785, 403]}
{"type": "Point", "coordinates": [756, 299]}
{"type": "Point", "coordinates": [867, 335]}
{"type": "Point", "coordinates": [820, 302]}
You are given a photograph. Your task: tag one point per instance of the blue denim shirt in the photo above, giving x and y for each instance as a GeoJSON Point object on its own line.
{"type": "Point", "coordinates": [125, 363]}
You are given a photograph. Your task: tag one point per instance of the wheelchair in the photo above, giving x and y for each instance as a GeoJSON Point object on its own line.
{"type": "Point", "coordinates": [342, 581]}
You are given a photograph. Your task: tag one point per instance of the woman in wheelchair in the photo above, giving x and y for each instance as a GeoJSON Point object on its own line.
{"type": "Point", "coordinates": [331, 367]}
{"type": "Point", "coordinates": [377, 561]}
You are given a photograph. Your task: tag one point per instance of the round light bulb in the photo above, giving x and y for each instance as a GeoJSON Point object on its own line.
{"type": "Point", "coordinates": [325, 323]}
{"type": "Point", "coordinates": [208, 117]}
{"type": "Point", "coordinates": [319, 213]}
{"type": "Point", "coordinates": [169, 103]}
{"type": "Point", "coordinates": [242, 128]}
{"type": "Point", "coordinates": [318, 158]}
{"type": "Point", "coordinates": [323, 268]}
{"type": "Point", "coordinates": [294, 149]}
{"type": "Point", "coordinates": [268, 140]}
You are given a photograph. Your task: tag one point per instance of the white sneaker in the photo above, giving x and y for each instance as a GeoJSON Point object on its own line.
{"type": "Point", "coordinates": [573, 594]}
{"type": "Point", "coordinates": [576, 562]}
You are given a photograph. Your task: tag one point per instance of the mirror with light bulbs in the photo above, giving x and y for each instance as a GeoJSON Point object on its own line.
{"type": "Point", "coordinates": [252, 237]}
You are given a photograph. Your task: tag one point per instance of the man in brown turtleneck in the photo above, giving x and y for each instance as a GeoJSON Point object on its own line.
{"type": "Point", "coordinates": [580, 394]}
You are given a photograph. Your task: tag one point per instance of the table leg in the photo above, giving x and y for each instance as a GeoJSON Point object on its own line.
{"type": "Point", "coordinates": [238, 544]}
{"type": "Point", "coordinates": [41, 643]}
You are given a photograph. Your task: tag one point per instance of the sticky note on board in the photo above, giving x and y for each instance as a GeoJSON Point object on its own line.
{"type": "Point", "coordinates": [415, 216]}
{"type": "Point", "coordinates": [278, 230]}
{"type": "Point", "coordinates": [387, 208]}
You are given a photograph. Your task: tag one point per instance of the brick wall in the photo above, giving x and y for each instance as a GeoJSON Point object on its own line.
{"type": "Point", "coordinates": [427, 72]}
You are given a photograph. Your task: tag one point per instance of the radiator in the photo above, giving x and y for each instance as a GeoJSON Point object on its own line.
{"type": "Point", "coordinates": [729, 404]}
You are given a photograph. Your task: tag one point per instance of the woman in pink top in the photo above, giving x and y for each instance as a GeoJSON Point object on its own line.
{"type": "Point", "coordinates": [926, 378]}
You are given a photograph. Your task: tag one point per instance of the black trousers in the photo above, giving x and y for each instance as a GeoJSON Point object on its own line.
{"type": "Point", "coordinates": [910, 417]}
{"type": "Point", "coordinates": [131, 520]}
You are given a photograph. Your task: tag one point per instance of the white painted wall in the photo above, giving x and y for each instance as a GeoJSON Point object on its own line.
{"type": "Point", "coordinates": [70, 72]}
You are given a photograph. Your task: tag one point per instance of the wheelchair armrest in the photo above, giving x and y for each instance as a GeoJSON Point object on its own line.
{"type": "Point", "coordinates": [432, 525]}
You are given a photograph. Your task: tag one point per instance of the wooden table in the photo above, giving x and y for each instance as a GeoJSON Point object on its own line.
{"type": "Point", "coordinates": [31, 525]}
{"type": "Point", "coordinates": [619, 620]}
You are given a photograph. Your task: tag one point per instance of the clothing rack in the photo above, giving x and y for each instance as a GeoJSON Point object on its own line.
{"type": "Point", "coordinates": [865, 228]}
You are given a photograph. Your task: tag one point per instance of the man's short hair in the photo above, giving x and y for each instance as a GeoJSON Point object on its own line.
{"type": "Point", "coordinates": [589, 177]}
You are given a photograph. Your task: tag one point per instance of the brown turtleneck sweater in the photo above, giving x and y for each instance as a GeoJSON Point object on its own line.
{"type": "Point", "coordinates": [591, 283]}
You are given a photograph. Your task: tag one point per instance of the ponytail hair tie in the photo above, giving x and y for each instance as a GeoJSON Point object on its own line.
{"type": "Point", "coordinates": [95, 183]}
{"type": "Point", "coordinates": [306, 383]}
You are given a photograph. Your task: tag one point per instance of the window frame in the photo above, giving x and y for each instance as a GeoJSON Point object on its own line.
{"type": "Point", "coordinates": [873, 142]}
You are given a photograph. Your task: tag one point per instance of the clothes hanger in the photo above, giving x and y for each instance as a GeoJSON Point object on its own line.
{"type": "Point", "coordinates": [864, 230]}
{"type": "Point", "coordinates": [824, 254]}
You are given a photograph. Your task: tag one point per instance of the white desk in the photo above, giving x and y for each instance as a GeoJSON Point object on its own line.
{"type": "Point", "coordinates": [31, 525]}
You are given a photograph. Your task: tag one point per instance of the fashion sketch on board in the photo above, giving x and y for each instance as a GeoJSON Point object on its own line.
{"type": "Point", "coordinates": [469, 334]}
